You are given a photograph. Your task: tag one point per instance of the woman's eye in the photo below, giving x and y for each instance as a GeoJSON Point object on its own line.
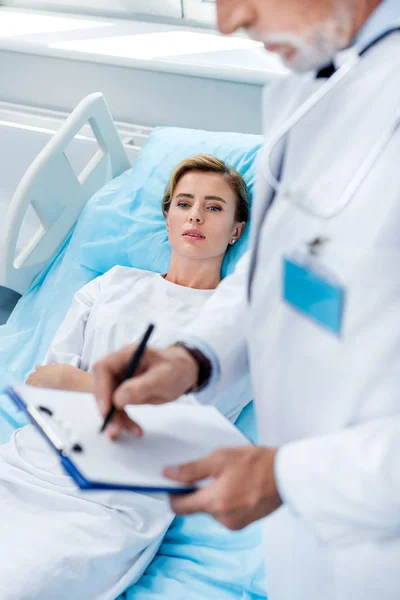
{"type": "Point", "coordinates": [183, 204]}
{"type": "Point", "coordinates": [215, 208]}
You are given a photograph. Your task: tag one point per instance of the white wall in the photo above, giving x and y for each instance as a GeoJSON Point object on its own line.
{"type": "Point", "coordinates": [135, 96]}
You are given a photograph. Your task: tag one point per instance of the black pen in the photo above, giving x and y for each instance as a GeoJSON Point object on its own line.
{"type": "Point", "coordinates": [130, 370]}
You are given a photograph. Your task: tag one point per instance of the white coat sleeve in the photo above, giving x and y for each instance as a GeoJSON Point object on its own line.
{"type": "Point", "coordinates": [346, 485]}
{"type": "Point", "coordinates": [67, 345]}
{"type": "Point", "coordinates": [218, 331]}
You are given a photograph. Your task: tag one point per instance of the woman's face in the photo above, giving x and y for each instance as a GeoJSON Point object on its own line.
{"type": "Point", "coordinates": [201, 219]}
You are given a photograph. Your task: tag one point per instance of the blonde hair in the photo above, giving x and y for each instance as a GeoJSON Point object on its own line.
{"type": "Point", "coordinates": [210, 164]}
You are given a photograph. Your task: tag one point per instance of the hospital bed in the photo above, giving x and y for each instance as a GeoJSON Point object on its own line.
{"type": "Point", "coordinates": [58, 207]}
{"type": "Point", "coordinates": [88, 220]}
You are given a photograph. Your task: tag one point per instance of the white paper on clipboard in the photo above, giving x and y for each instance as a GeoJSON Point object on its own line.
{"type": "Point", "coordinates": [173, 434]}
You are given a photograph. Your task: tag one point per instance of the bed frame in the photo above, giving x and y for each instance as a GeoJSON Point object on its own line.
{"type": "Point", "coordinates": [57, 194]}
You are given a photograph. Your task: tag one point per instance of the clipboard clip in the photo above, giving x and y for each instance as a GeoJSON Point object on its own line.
{"type": "Point", "coordinates": [65, 448]}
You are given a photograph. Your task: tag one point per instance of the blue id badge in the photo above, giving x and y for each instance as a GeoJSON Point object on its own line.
{"type": "Point", "coordinates": [314, 293]}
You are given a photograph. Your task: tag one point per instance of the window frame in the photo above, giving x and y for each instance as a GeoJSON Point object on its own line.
{"type": "Point", "coordinates": [124, 8]}
{"type": "Point", "coordinates": [201, 11]}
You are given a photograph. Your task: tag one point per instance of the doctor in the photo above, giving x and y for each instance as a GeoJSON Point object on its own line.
{"type": "Point", "coordinates": [313, 312]}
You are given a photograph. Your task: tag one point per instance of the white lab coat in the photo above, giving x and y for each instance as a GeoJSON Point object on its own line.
{"type": "Point", "coordinates": [332, 405]}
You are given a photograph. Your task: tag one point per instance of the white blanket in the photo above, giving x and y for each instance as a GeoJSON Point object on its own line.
{"type": "Point", "coordinates": [63, 544]}
{"type": "Point", "coordinates": [60, 543]}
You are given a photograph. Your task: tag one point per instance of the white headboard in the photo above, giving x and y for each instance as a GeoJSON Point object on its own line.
{"type": "Point", "coordinates": [57, 194]}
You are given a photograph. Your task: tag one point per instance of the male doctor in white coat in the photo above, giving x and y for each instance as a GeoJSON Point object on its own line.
{"type": "Point", "coordinates": [313, 312]}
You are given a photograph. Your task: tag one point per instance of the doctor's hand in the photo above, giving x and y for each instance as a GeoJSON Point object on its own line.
{"type": "Point", "coordinates": [162, 376]}
{"type": "Point", "coordinates": [242, 489]}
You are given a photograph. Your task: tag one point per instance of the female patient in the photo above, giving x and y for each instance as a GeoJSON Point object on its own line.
{"type": "Point", "coordinates": [60, 543]}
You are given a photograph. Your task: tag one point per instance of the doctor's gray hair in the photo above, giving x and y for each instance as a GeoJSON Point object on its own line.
{"type": "Point", "coordinates": [206, 163]}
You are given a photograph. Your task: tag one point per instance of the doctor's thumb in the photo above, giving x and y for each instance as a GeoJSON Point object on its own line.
{"type": "Point", "coordinates": [146, 388]}
{"type": "Point", "coordinates": [164, 376]}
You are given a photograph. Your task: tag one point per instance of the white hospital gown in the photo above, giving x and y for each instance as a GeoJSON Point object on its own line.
{"type": "Point", "coordinates": [60, 543]}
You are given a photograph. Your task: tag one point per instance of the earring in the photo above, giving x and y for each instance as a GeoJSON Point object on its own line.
{"type": "Point", "coordinates": [233, 242]}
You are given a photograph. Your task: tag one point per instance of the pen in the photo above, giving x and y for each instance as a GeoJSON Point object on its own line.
{"type": "Point", "coordinates": [130, 370]}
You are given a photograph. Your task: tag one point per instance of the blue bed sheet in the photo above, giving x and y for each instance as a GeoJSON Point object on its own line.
{"type": "Point", "coordinates": [220, 566]}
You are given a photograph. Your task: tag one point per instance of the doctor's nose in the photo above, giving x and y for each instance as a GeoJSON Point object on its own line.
{"type": "Point", "coordinates": [230, 19]}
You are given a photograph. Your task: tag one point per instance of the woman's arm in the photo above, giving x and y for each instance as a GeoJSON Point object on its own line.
{"type": "Point", "coordinates": [61, 366]}
{"type": "Point", "coordinates": [68, 343]}
{"type": "Point", "coordinates": [61, 377]}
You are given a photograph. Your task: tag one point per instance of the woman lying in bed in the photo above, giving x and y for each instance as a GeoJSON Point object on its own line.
{"type": "Point", "coordinates": [58, 542]}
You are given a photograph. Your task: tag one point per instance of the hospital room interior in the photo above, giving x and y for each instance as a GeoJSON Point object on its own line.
{"type": "Point", "coordinates": [122, 123]}
{"type": "Point", "coordinates": [88, 88]}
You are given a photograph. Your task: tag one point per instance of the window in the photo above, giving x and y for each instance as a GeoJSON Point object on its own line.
{"type": "Point", "coordinates": [203, 11]}
{"type": "Point", "coordinates": [165, 8]}
{"type": "Point", "coordinates": [200, 10]}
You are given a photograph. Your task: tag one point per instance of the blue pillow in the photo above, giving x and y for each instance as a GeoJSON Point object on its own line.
{"type": "Point", "coordinates": [128, 227]}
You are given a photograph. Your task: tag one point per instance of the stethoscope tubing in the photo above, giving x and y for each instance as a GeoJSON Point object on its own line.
{"type": "Point", "coordinates": [294, 119]}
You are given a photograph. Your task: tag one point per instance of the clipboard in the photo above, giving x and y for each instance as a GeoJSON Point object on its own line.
{"type": "Point", "coordinates": [174, 433]}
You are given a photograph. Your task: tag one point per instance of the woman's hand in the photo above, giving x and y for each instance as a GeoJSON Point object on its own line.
{"type": "Point", "coordinates": [242, 490]}
{"type": "Point", "coordinates": [61, 377]}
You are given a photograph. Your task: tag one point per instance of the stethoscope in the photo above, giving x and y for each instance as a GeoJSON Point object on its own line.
{"type": "Point", "coordinates": [299, 196]}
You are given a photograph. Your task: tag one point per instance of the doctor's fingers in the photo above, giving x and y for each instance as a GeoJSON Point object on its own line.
{"type": "Point", "coordinates": [190, 473]}
{"type": "Point", "coordinates": [109, 371]}
{"type": "Point", "coordinates": [107, 375]}
{"type": "Point", "coordinates": [122, 422]}
{"type": "Point", "coordinates": [221, 500]}
{"type": "Point", "coordinates": [163, 376]}
{"type": "Point", "coordinates": [190, 504]}
{"type": "Point", "coordinates": [214, 500]}
{"type": "Point", "coordinates": [197, 470]}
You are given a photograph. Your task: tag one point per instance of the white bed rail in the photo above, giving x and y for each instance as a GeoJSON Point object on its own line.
{"type": "Point", "coordinates": [57, 194]}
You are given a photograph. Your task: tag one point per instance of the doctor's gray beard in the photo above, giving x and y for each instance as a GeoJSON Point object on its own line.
{"type": "Point", "coordinates": [316, 45]}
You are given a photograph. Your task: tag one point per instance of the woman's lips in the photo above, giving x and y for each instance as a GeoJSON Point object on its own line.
{"type": "Point", "coordinates": [193, 235]}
